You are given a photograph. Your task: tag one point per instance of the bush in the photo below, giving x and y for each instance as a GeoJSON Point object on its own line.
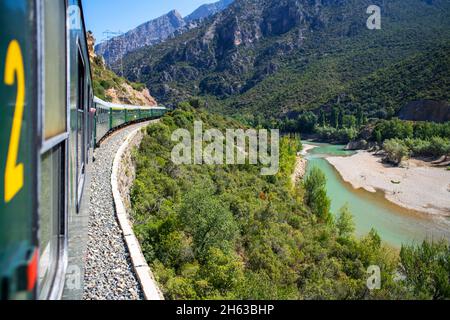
{"type": "Point", "coordinates": [439, 146]}
{"type": "Point", "coordinates": [344, 135]}
{"type": "Point", "coordinates": [138, 86]}
{"type": "Point", "coordinates": [316, 194]}
{"type": "Point", "coordinates": [427, 270]}
{"type": "Point", "coordinates": [435, 147]}
{"type": "Point", "coordinates": [209, 222]}
{"type": "Point", "coordinates": [306, 122]}
{"type": "Point", "coordinates": [396, 151]}
{"type": "Point", "coordinates": [345, 223]}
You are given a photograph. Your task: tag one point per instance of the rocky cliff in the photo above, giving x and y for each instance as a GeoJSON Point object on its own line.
{"type": "Point", "coordinates": [110, 87]}
{"type": "Point", "coordinates": [426, 110]}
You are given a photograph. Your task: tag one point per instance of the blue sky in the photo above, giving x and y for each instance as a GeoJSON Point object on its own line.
{"type": "Point", "coordinates": [125, 15]}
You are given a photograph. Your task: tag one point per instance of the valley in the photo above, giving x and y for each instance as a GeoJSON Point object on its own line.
{"type": "Point", "coordinates": [372, 189]}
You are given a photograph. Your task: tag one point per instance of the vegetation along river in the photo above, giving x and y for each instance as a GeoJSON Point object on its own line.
{"type": "Point", "coordinates": [395, 225]}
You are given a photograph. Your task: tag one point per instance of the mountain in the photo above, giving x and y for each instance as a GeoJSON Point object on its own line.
{"type": "Point", "coordinates": [149, 33]}
{"type": "Point", "coordinates": [108, 86]}
{"type": "Point", "coordinates": [156, 31]}
{"type": "Point", "coordinates": [276, 58]}
{"type": "Point", "coordinates": [208, 10]}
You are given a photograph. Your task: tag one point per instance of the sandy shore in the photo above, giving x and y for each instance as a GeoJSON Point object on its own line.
{"type": "Point", "coordinates": [419, 187]}
{"type": "Point", "coordinates": [300, 167]}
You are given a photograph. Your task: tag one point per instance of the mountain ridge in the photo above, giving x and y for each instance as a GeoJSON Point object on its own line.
{"type": "Point", "coordinates": [286, 56]}
{"type": "Point", "coordinates": [156, 31]}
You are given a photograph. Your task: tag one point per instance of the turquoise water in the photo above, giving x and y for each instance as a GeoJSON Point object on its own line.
{"type": "Point", "coordinates": [395, 225]}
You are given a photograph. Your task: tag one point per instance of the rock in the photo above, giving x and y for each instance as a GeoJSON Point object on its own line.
{"type": "Point", "coordinates": [357, 145]}
{"type": "Point", "coordinates": [426, 110]}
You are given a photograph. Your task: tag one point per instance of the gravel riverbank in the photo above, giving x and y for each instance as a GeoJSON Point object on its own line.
{"type": "Point", "coordinates": [418, 186]}
{"type": "Point", "coordinates": [301, 164]}
{"type": "Point", "coordinates": [109, 274]}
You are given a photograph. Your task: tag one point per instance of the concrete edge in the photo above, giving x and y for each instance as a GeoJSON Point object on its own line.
{"type": "Point", "coordinates": [144, 274]}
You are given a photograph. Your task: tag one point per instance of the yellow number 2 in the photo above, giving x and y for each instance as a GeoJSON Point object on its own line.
{"type": "Point", "coordinates": [14, 71]}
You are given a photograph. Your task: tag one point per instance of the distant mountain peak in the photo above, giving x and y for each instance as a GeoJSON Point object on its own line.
{"type": "Point", "coordinates": [156, 31]}
{"type": "Point", "coordinates": [208, 10]}
{"type": "Point", "coordinates": [175, 13]}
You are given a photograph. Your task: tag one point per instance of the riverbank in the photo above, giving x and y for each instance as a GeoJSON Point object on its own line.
{"type": "Point", "coordinates": [301, 164]}
{"type": "Point", "coordinates": [418, 187]}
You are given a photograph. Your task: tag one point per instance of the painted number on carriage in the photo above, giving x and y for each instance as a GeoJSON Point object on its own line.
{"type": "Point", "coordinates": [14, 76]}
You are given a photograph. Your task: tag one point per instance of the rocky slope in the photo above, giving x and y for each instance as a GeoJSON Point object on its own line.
{"type": "Point", "coordinates": [156, 31]}
{"type": "Point", "coordinates": [279, 57]}
{"type": "Point", "coordinates": [208, 10]}
{"type": "Point", "coordinates": [110, 87]}
{"type": "Point", "coordinates": [149, 33]}
{"type": "Point", "coordinates": [426, 110]}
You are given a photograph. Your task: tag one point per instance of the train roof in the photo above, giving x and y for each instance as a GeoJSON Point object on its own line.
{"type": "Point", "coordinates": [125, 106]}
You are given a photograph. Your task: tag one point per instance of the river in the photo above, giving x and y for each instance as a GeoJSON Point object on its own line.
{"type": "Point", "coordinates": [395, 225]}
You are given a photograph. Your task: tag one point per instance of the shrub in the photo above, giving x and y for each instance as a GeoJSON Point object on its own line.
{"type": "Point", "coordinates": [427, 270]}
{"type": "Point", "coordinates": [345, 223]}
{"type": "Point", "coordinates": [396, 151]}
{"type": "Point", "coordinates": [316, 194]}
{"type": "Point", "coordinates": [138, 86]}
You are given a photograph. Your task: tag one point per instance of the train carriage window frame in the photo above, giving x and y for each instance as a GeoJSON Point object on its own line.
{"type": "Point", "coordinates": [54, 146]}
{"type": "Point", "coordinates": [81, 110]}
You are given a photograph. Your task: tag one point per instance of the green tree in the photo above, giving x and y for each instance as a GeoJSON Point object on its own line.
{"type": "Point", "coordinates": [209, 222]}
{"type": "Point", "coordinates": [222, 270]}
{"type": "Point", "coordinates": [360, 116]}
{"type": "Point", "coordinates": [427, 269]}
{"type": "Point", "coordinates": [316, 194]}
{"type": "Point", "coordinates": [335, 117]}
{"type": "Point", "coordinates": [345, 223]}
{"type": "Point", "coordinates": [396, 151]}
{"type": "Point", "coordinates": [349, 121]}
{"type": "Point", "coordinates": [306, 122]}
{"type": "Point", "coordinates": [322, 118]}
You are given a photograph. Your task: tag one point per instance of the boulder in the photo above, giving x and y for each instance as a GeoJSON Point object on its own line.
{"type": "Point", "coordinates": [357, 145]}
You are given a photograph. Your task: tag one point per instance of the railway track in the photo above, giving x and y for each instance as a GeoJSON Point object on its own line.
{"type": "Point", "coordinates": [109, 274]}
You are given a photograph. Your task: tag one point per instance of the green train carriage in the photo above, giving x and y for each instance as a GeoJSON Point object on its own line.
{"type": "Point", "coordinates": [18, 147]}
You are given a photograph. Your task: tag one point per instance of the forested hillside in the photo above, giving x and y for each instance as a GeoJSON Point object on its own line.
{"type": "Point", "coordinates": [226, 232]}
{"type": "Point", "coordinates": [282, 57]}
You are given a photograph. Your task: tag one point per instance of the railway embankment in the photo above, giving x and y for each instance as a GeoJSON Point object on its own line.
{"type": "Point", "coordinates": [109, 271]}
{"type": "Point", "coordinates": [122, 179]}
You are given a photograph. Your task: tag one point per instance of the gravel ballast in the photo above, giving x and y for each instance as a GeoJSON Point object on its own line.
{"type": "Point", "coordinates": [109, 274]}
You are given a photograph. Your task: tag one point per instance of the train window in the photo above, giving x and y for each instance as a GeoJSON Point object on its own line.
{"type": "Point", "coordinates": [55, 122]}
{"type": "Point", "coordinates": [81, 121]}
{"type": "Point", "coordinates": [51, 211]}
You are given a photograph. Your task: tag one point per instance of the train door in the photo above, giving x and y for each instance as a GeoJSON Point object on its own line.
{"type": "Point", "coordinates": [18, 150]}
{"type": "Point", "coordinates": [54, 148]}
